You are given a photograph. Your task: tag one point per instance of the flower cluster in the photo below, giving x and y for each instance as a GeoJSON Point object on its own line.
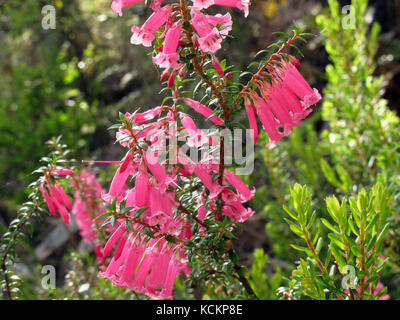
{"type": "Point", "coordinates": [152, 222]}
{"type": "Point", "coordinates": [87, 204]}
{"type": "Point", "coordinates": [56, 198]}
{"type": "Point", "coordinates": [210, 30]}
{"type": "Point", "coordinates": [285, 100]}
{"type": "Point", "coordinates": [146, 266]}
{"type": "Point", "coordinates": [153, 201]}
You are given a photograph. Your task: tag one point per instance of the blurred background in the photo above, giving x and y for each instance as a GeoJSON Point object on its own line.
{"type": "Point", "coordinates": [73, 81]}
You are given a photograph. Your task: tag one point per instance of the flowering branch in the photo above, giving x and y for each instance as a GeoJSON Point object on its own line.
{"type": "Point", "coordinates": [54, 166]}
{"type": "Point", "coordinates": [154, 217]}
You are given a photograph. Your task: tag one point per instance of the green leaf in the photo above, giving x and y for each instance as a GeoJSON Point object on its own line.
{"type": "Point", "coordinates": [329, 173]}
{"type": "Point", "coordinates": [330, 287]}
{"type": "Point", "coordinates": [186, 25]}
{"type": "Point", "coordinates": [289, 212]}
{"type": "Point", "coordinates": [189, 243]}
{"type": "Point", "coordinates": [381, 237]}
{"type": "Point", "coordinates": [126, 209]}
{"type": "Point", "coordinates": [296, 230]}
{"type": "Point", "coordinates": [246, 73]}
{"type": "Point", "coordinates": [115, 126]}
{"type": "Point", "coordinates": [139, 212]}
{"type": "Point", "coordinates": [147, 231]}
{"type": "Point", "coordinates": [260, 53]}
{"type": "Point", "coordinates": [170, 238]}
{"type": "Point", "coordinates": [329, 226]}
{"type": "Point", "coordinates": [303, 249]}
{"type": "Point", "coordinates": [110, 220]}
{"type": "Point", "coordinates": [128, 224]}
{"type": "Point", "coordinates": [104, 215]}
{"type": "Point", "coordinates": [338, 257]}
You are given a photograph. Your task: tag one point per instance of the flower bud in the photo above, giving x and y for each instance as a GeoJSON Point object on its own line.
{"type": "Point", "coordinates": [171, 80]}
{"type": "Point", "coordinates": [217, 66]}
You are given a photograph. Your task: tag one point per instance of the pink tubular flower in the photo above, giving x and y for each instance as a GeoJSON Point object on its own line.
{"type": "Point", "coordinates": [243, 191]}
{"type": "Point", "coordinates": [209, 37]}
{"type": "Point", "coordinates": [202, 4]}
{"type": "Point", "coordinates": [196, 137]}
{"type": "Point", "coordinates": [160, 210]}
{"type": "Point", "coordinates": [168, 58]}
{"type": "Point", "coordinates": [222, 22]}
{"type": "Point", "coordinates": [62, 172]}
{"type": "Point", "coordinates": [64, 196]}
{"type": "Point", "coordinates": [142, 187]}
{"type": "Point", "coordinates": [145, 34]}
{"type": "Point", "coordinates": [55, 197]}
{"type": "Point", "coordinates": [250, 111]}
{"type": "Point", "coordinates": [144, 269]}
{"type": "Point", "coordinates": [155, 167]}
{"type": "Point", "coordinates": [58, 202]}
{"type": "Point", "coordinates": [233, 207]}
{"type": "Point", "coordinates": [237, 212]}
{"type": "Point", "coordinates": [118, 182]}
{"type": "Point", "coordinates": [210, 41]}
{"type": "Point", "coordinates": [127, 161]}
{"type": "Point", "coordinates": [158, 274]}
{"type": "Point", "coordinates": [240, 4]}
{"type": "Point", "coordinates": [133, 258]}
{"type": "Point", "coordinates": [118, 5]}
{"type": "Point", "coordinates": [113, 240]}
{"type": "Point", "coordinates": [203, 110]}
{"type": "Point", "coordinates": [50, 203]}
{"type": "Point", "coordinates": [294, 81]}
{"type": "Point", "coordinates": [120, 246]}
{"type": "Point", "coordinates": [268, 120]}
{"type": "Point", "coordinates": [280, 110]}
{"type": "Point", "coordinates": [112, 268]}
{"type": "Point", "coordinates": [204, 175]}
{"type": "Point", "coordinates": [63, 211]}
{"type": "Point", "coordinates": [147, 115]}
{"type": "Point", "coordinates": [173, 269]}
